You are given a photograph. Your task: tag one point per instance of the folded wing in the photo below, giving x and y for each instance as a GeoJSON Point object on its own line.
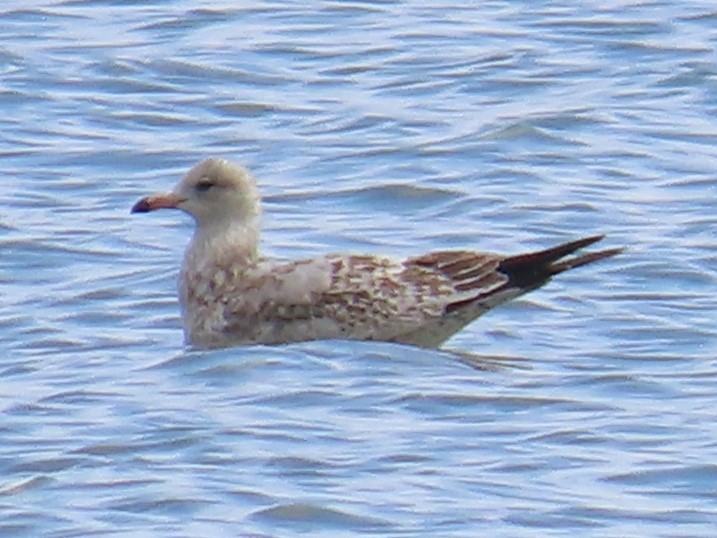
{"type": "Point", "coordinates": [422, 300]}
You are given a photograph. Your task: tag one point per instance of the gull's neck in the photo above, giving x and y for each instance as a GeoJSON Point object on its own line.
{"type": "Point", "coordinates": [224, 245]}
{"type": "Point", "coordinates": [216, 259]}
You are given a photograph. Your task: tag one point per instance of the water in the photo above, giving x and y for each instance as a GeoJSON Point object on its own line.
{"type": "Point", "coordinates": [382, 126]}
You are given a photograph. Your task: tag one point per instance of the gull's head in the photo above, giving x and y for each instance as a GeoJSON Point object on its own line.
{"type": "Point", "coordinates": [214, 192]}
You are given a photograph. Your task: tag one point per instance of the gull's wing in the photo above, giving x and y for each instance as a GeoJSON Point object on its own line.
{"type": "Point", "coordinates": [421, 300]}
{"type": "Point", "coordinates": [483, 281]}
{"type": "Point", "coordinates": [336, 296]}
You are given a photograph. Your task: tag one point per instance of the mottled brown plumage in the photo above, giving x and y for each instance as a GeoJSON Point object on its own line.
{"type": "Point", "coordinates": [229, 295]}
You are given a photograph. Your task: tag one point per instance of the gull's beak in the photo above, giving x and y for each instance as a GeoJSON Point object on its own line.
{"type": "Point", "coordinates": [157, 201]}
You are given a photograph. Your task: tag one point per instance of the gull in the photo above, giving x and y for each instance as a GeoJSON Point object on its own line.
{"type": "Point", "coordinates": [231, 295]}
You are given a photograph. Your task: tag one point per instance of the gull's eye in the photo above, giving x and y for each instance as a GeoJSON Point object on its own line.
{"type": "Point", "coordinates": [204, 184]}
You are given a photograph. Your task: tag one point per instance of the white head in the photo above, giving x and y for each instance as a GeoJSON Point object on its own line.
{"type": "Point", "coordinates": [216, 192]}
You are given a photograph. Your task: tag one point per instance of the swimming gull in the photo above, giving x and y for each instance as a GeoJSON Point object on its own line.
{"type": "Point", "coordinates": [230, 295]}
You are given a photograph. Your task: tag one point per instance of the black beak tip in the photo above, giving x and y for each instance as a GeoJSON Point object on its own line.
{"type": "Point", "coordinates": [141, 206]}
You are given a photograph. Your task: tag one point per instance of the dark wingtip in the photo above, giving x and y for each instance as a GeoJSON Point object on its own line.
{"type": "Point", "coordinates": [544, 258]}
{"type": "Point", "coordinates": [585, 259]}
{"type": "Point", "coordinates": [142, 206]}
{"type": "Point", "coordinates": [533, 269]}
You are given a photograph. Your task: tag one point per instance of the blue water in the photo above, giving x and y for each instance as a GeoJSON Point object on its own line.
{"type": "Point", "coordinates": [586, 408]}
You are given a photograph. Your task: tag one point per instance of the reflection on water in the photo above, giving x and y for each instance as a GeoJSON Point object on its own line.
{"type": "Point", "coordinates": [491, 362]}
